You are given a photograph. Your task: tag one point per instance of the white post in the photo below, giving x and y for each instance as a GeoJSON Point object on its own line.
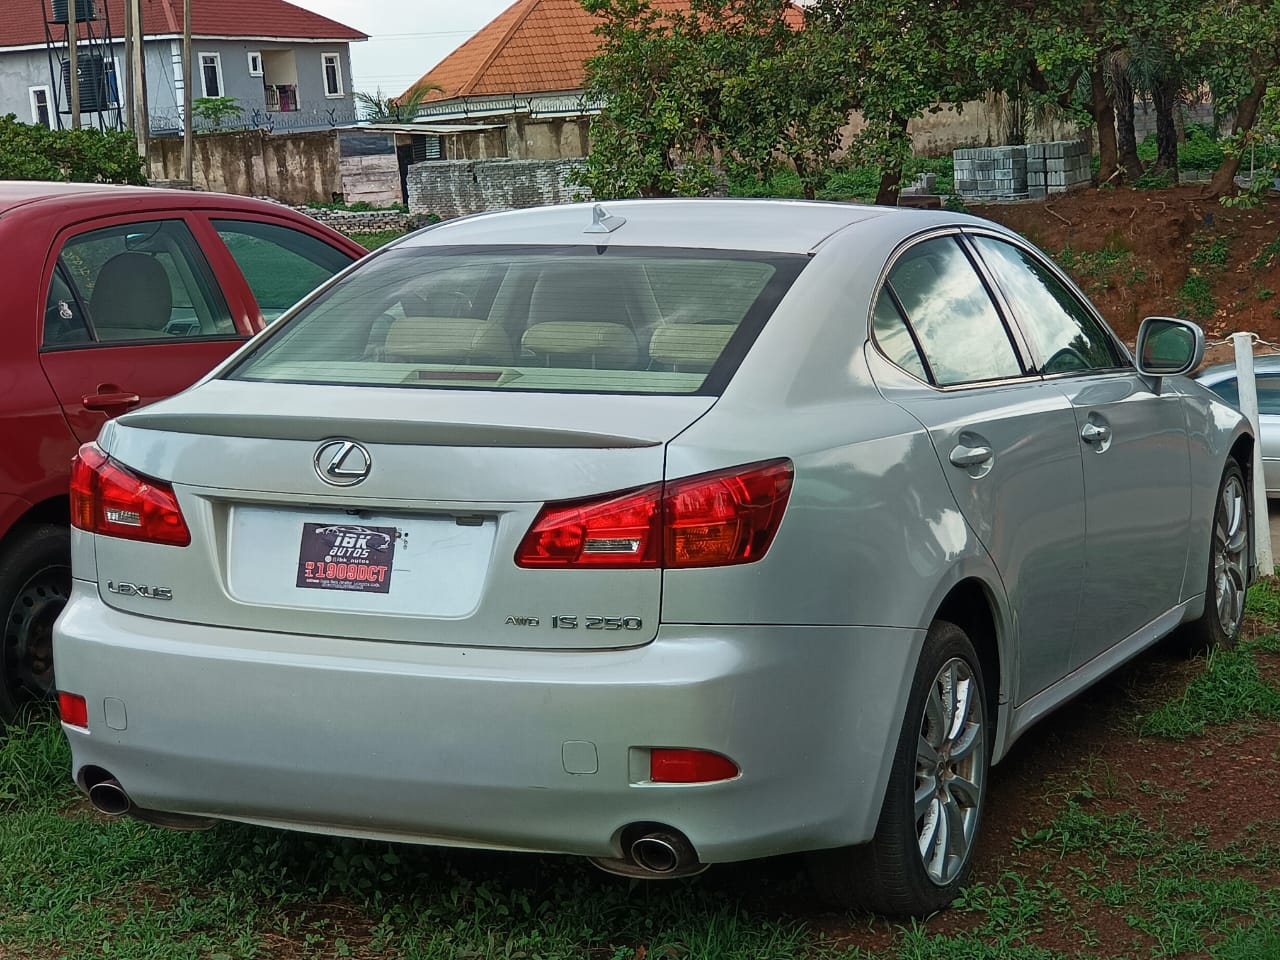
{"type": "Point", "coordinates": [1248, 387]}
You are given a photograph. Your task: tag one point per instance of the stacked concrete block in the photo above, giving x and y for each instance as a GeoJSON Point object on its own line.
{"type": "Point", "coordinates": [1057, 167]}
{"type": "Point", "coordinates": [1018, 172]}
{"type": "Point", "coordinates": [991, 173]}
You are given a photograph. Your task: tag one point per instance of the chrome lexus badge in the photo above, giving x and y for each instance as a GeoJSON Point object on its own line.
{"type": "Point", "coordinates": [342, 463]}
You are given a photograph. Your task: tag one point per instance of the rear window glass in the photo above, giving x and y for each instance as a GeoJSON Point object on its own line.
{"type": "Point", "coordinates": [548, 319]}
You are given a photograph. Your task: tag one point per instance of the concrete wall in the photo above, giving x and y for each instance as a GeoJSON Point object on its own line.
{"type": "Point", "coordinates": [978, 124]}
{"type": "Point", "coordinates": [373, 180]}
{"type": "Point", "coordinates": [294, 168]}
{"type": "Point", "coordinates": [548, 139]}
{"type": "Point", "coordinates": [452, 188]}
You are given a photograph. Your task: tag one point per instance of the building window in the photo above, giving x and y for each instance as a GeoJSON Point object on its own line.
{"type": "Point", "coordinates": [211, 74]}
{"type": "Point", "coordinates": [332, 75]}
{"type": "Point", "coordinates": [41, 106]}
{"type": "Point", "coordinates": [255, 63]}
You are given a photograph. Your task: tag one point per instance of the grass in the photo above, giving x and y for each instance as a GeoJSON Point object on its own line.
{"type": "Point", "coordinates": [372, 241]}
{"type": "Point", "coordinates": [1100, 270]}
{"type": "Point", "coordinates": [1099, 867]}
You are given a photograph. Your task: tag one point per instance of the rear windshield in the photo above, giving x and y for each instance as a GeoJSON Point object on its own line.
{"type": "Point", "coordinates": [548, 319]}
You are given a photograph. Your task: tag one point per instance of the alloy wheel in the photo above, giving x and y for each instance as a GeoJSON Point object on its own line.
{"type": "Point", "coordinates": [950, 771]}
{"type": "Point", "coordinates": [1230, 544]}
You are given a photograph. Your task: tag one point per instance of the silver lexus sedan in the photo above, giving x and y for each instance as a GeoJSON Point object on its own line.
{"type": "Point", "coordinates": [665, 533]}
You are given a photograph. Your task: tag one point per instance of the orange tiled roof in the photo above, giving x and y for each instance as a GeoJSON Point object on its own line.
{"type": "Point", "coordinates": [534, 46]}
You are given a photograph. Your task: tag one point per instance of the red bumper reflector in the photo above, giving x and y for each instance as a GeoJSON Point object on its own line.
{"type": "Point", "coordinates": [668, 765]}
{"type": "Point", "coordinates": [73, 709]}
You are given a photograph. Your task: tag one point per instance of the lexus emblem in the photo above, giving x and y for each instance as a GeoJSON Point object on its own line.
{"type": "Point", "coordinates": [342, 463]}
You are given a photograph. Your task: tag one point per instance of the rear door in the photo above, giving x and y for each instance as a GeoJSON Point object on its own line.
{"type": "Point", "coordinates": [1006, 441]}
{"type": "Point", "coordinates": [133, 312]}
{"type": "Point", "coordinates": [1134, 447]}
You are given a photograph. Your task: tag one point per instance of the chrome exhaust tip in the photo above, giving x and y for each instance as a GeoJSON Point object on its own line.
{"type": "Point", "coordinates": [107, 796]}
{"type": "Point", "coordinates": [663, 853]}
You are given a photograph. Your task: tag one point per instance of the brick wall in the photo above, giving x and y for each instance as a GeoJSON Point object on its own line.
{"type": "Point", "coordinates": [453, 188]}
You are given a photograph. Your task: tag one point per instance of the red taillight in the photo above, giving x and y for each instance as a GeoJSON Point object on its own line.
{"type": "Point", "coordinates": [109, 499]}
{"type": "Point", "coordinates": [73, 709]}
{"type": "Point", "coordinates": [620, 530]}
{"type": "Point", "coordinates": [711, 520]}
{"type": "Point", "coordinates": [668, 765]}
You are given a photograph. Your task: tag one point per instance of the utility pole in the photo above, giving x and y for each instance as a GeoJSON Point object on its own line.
{"type": "Point", "coordinates": [141, 116]}
{"type": "Point", "coordinates": [138, 118]}
{"type": "Point", "coordinates": [73, 37]}
{"type": "Point", "coordinates": [128, 64]}
{"type": "Point", "coordinates": [187, 77]}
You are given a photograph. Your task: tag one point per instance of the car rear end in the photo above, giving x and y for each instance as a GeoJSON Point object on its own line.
{"type": "Point", "coordinates": [398, 571]}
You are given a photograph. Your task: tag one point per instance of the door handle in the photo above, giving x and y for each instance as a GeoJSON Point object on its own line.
{"type": "Point", "coordinates": [1095, 433]}
{"type": "Point", "coordinates": [113, 399]}
{"type": "Point", "coordinates": [963, 456]}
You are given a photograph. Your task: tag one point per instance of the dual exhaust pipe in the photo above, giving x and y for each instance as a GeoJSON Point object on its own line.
{"type": "Point", "coordinates": [654, 853]}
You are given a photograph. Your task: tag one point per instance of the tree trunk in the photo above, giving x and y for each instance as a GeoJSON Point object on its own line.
{"type": "Point", "coordinates": [1164, 97]}
{"type": "Point", "coordinates": [1104, 117]}
{"type": "Point", "coordinates": [891, 173]}
{"type": "Point", "coordinates": [1126, 138]}
{"type": "Point", "coordinates": [1224, 178]}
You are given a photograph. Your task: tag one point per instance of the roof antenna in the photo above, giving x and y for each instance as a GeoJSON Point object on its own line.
{"type": "Point", "coordinates": [603, 222]}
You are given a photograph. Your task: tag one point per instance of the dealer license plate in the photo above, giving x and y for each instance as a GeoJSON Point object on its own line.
{"type": "Point", "coordinates": [348, 557]}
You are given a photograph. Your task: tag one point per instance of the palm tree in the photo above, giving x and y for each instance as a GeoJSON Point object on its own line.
{"type": "Point", "coordinates": [402, 109]}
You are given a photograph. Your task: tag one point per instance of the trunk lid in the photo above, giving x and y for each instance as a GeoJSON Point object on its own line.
{"type": "Point", "coordinates": [422, 550]}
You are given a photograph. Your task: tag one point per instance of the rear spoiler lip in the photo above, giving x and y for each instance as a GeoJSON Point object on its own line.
{"type": "Point", "coordinates": [266, 426]}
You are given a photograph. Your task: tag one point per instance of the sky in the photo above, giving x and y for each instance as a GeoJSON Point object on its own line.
{"type": "Point", "coordinates": [406, 37]}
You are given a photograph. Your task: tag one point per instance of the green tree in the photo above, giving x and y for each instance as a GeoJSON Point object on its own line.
{"type": "Point", "coordinates": [215, 111]}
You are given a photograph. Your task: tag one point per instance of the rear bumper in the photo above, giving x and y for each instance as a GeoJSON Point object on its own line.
{"type": "Point", "coordinates": [473, 746]}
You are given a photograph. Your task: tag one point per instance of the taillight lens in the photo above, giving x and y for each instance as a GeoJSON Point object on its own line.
{"type": "Point", "coordinates": [111, 500]}
{"type": "Point", "coordinates": [723, 518]}
{"type": "Point", "coordinates": [620, 530]}
{"type": "Point", "coordinates": [711, 520]}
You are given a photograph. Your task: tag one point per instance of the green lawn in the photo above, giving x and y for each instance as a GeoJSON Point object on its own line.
{"type": "Point", "coordinates": [1139, 822]}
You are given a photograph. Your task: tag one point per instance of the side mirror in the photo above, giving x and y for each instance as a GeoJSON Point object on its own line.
{"type": "Point", "coordinates": [1168, 347]}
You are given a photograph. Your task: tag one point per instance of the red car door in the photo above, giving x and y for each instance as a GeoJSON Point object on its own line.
{"type": "Point", "coordinates": [134, 312]}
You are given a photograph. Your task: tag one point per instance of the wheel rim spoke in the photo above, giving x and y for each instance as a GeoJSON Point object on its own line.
{"type": "Point", "coordinates": [926, 793]}
{"type": "Point", "coordinates": [966, 792]}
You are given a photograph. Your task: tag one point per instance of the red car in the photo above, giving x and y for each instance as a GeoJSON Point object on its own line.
{"type": "Point", "coordinates": [110, 298]}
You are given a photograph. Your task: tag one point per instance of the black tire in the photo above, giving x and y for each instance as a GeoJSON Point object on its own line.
{"type": "Point", "coordinates": [1230, 553]}
{"type": "Point", "coordinates": [35, 581]}
{"type": "Point", "coordinates": [890, 875]}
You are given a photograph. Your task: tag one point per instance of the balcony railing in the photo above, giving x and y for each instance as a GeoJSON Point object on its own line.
{"type": "Point", "coordinates": [281, 98]}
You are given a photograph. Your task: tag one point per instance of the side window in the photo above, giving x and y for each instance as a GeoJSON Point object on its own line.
{"type": "Point", "coordinates": [1063, 332]}
{"type": "Point", "coordinates": [281, 265]}
{"type": "Point", "coordinates": [893, 338]}
{"type": "Point", "coordinates": [955, 322]}
{"type": "Point", "coordinates": [1269, 394]}
{"type": "Point", "coordinates": [63, 315]}
{"type": "Point", "coordinates": [143, 281]}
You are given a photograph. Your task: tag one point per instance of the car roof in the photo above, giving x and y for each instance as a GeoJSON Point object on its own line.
{"type": "Point", "coordinates": [1267, 363]}
{"type": "Point", "coordinates": [20, 193]}
{"type": "Point", "coordinates": [776, 226]}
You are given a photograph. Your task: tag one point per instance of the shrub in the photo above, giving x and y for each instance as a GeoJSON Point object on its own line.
{"type": "Point", "coordinates": [33, 152]}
